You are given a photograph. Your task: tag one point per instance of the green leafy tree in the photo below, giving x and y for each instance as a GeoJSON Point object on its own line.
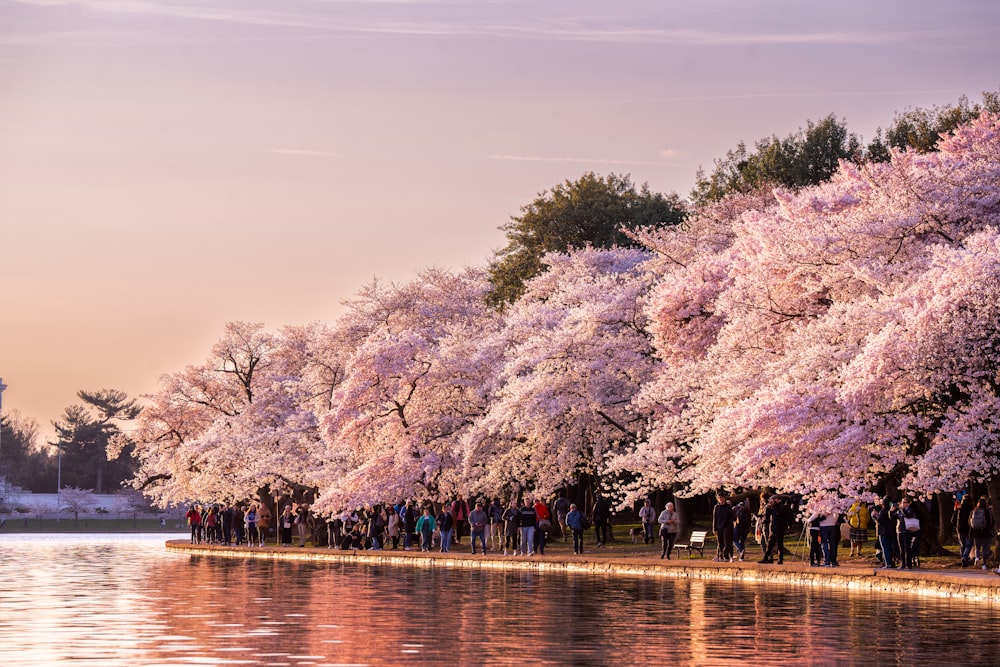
{"type": "Point", "coordinates": [83, 435]}
{"type": "Point", "coordinates": [807, 157]}
{"type": "Point", "coordinates": [920, 129]}
{"type": "Point", "coordinates": [593, 210]}
{"type": "Point", "coordinates": [23, 462]}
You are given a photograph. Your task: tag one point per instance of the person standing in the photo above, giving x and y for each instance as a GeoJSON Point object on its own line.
{"type": "Point", "coordinates": [511, 526]}
{"type": "Point", "coordinates": [393, 527]}
{"type": "Point", "coordinates": [906, 534]}
{"type": "Point", "coordinates": [963, 527]}
{"type": "Point", "coordinates": [409, 525]}
{"type": "Point", "coordinates": [561, 507]}
{"type": "Point", "coordinates": [602, 519]}
{"type": "Point", "coordinates": [194, 520]}
{"type": "Point", "coordinates": [670, 523]}
{"type": "Point", "coordinates": [264, 517]}
{"type": "Point", "coordinates": [210, 521]}
{"type": "Point", "coordinates": [543, 524]}
{"type": "Point", "coordinates": [495, 512]}
{"type": "Point", "coordinates": [285, 524]}
{"type": "Point", "coordinates": [815, 541]}
{"type": "Point", "coordinates": [238, 525]}
{"type": "Point", "coordinates": [647, 515]}
{"type": "Point", "coordinates": [981, 525]}
{"type": "Point", "coordinates": [301, 524]}
{"type": "Point", "coordinates": [527, 526]}
{"type": "Point", "coordinates": [478, 521]}
{"type": "Point", "coordinates": [858, 518]}
{"type": "Point", "coordinates": [574, 521]}
{"type": "Point", "coordinates": [425, 527]}
{"type": "Point", "coordinates": [722, 526]}
{"type": "Point", "coordinates": [376, 527]}
{"type": "Point", "coordinates": [774, 526]}
{"type": "Point", "coordinates": [459, 510]}
{"type": "Point", "coordinates": [446, 524]}
{"type": "Point", "coordinates": [885, 532]}
{"type": "Point", "coordinates": [250, 521]}
{"type": "Point", "coordinates": [742, 518]}
{"type": "Point", "coordinates": [227, 525]}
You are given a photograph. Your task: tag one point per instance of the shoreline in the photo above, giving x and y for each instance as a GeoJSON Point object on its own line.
{"type": "Point", "coordinates": [967, 585]}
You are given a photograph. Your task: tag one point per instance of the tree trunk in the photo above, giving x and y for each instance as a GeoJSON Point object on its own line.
{"type": "Point", "coordinates": [944, 503]}
{"type": "Point", "coordinates": [993, 489]}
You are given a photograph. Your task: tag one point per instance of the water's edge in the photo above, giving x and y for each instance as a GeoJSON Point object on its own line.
{"type": "Point", "coordinates": [969, 585]}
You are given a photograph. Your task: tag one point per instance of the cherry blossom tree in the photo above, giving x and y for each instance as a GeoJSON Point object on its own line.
{"type": "Point", "coordinates": [844, 336]}
{"type": "Point", "coordinates": [414, 381]}
{"type": "Point", "coordinates": [576, 353]}
{"type": "Point", "coordinates": [244, 420]}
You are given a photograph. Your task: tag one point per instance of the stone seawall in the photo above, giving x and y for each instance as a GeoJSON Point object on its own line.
{"type": "Point", "coordinates": [961, 584]}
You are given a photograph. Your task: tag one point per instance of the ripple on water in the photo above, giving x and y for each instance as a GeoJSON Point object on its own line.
{"type": "Point", "coordinates": [123, 601]}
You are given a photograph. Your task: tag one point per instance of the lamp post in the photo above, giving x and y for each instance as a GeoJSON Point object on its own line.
{"type": "Point", "coordinates": [3, 489]}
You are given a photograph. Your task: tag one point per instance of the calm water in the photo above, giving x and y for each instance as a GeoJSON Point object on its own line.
{"type": "Point", "coordinates": [123, 600]}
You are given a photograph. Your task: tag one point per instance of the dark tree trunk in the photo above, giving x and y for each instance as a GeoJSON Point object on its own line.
{"type": "Point", "coordinates": [944, 503]}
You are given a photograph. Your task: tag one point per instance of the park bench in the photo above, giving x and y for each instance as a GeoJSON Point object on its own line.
{"type": "Point", "coordinates": [695, 543]}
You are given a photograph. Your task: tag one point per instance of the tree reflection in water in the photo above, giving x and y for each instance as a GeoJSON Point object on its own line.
{"type": "Point", "coordinates": [125, 601]}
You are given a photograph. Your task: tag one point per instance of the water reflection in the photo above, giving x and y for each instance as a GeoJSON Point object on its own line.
{"type": "Point", "coordinates": [126, 601]}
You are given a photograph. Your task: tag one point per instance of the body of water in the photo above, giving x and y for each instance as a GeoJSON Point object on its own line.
{"type": "Point", "coordinates": [123, 600]}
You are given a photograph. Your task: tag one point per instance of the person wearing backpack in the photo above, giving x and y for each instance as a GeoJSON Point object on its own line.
{"type": "Point", "coordinates": [963, 526]}
{"type": "Point", "coordinates": [907, 533]}
{"type": "Point", "coordinates": [981, 524]}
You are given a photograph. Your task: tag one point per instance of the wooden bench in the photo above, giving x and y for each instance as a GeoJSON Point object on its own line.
{"type": "Point", "coordinates": [695, 543]}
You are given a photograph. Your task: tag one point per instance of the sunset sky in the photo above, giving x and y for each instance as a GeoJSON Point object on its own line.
{"type": "Point", "coordinates": [166, 167]}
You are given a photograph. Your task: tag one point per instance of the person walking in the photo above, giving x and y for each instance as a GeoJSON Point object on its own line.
{"type": "Point", "coordinates": [647, 515]}
{"type": "Point", "coordinates": [574, 521]}
{"type": "Point", "coordinates": [669, 525]}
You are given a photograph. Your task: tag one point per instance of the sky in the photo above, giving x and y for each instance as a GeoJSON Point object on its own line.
{"type": "Point", "coordinates": [169, 166]}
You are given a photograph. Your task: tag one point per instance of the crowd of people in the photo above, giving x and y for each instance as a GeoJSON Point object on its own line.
{"type": "Point", "coordinates": [524, 528]}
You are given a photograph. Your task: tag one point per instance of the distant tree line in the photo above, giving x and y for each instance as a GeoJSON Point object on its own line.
{"type": "Point", "coordinates": [83, 434]}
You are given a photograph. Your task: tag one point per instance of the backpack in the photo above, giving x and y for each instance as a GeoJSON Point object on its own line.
{"type": "Point", "coordinates": [978, 519]}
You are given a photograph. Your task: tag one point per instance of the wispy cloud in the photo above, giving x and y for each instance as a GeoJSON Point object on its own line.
{"type": "Point", "coordinates": [304, 152]}
{"type": "Point", "coordinates": [577, 160]}
{"type": "Point", "coordinates": [320, 16]}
